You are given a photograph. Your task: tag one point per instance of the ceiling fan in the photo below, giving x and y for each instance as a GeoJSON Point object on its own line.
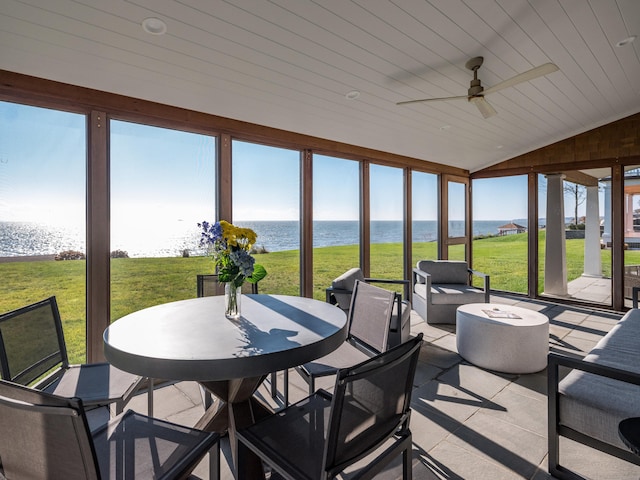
{"type": "Point", "coordinates": [477, 92]}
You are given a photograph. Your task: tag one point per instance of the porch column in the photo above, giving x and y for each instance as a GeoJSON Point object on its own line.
{"type": "Point", "coordinates": [628, 216]}
{"type": "Point", "coordinates": [555, 262]}
{"type": "Point", "coordinates": [592, 260]}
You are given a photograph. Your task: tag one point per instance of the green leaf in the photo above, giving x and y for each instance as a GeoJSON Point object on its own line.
{"type": "Point", "coordinates": [259, 272]}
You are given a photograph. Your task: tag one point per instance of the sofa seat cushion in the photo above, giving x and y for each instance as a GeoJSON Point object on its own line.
{"type": "Point", "coordinates": [594, 405]}
{"type": "Point", "coordinates": [451, 294]}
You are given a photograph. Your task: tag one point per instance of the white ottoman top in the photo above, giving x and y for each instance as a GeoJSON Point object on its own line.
{"type": "Point", "coordinates": [503, 314]}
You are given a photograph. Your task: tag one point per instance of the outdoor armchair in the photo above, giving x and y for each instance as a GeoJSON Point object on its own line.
{"type": "Point", "coordinates": [369, 318]}
{"type": "Point", "coordinates": [440, 286]}
{"type": "Point", "coordinates": [50, 438]}
{"type": "Point", "coordinates": [33, 353]}
{"type": "Point", "coordinates": [339, 293]}
{"type": "Point", "coordinates": [324, 434]}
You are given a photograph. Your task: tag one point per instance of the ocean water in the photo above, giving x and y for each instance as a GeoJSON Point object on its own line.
{"type": "Point", "coordinates": [25, 239]}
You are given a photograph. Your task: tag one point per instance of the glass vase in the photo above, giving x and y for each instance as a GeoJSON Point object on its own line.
{"type": "Point", "coordinates": [232, 296]}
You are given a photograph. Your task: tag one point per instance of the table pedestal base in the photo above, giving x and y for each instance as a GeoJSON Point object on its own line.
{"type": "Point", "coordinates": [234, 407]}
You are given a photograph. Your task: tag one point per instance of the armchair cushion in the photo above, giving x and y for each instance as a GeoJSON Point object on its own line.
{"type": "Point", "coordinates": [451, 294]}
{"type": "Point", "coordinates": [447, 271]}
{"type": "Point", "coordinates": [346, 281]}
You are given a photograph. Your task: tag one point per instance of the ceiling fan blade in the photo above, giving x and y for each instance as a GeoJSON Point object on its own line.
{"type": "Point", "coordinates": [536, 72]}
{"type": "Point", "coordinates": [432, 99]}
{"type": "Point", "coordinates": [485, 107]}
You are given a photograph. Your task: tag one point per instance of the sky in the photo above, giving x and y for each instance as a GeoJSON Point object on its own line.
{"type": "Point", "coordinates": [160, 175]}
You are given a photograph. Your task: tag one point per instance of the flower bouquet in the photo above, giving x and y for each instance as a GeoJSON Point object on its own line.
{"type": "Point", "coordinates": [229, 246]}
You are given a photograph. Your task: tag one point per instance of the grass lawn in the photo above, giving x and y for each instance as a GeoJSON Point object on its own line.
{"type": "Point", "coordinates": [142, 282]}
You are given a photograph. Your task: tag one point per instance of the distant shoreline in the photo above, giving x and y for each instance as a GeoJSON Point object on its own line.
{"type": "Point", "coordinates": [29, 258]}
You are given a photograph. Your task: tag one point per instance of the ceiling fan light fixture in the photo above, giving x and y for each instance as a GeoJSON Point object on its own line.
{"type": "Point", "coordinates": [154, 26]}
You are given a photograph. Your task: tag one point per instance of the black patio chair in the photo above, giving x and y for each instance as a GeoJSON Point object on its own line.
{"type": "Point", "coordinates": [361, 428]}
{"type": "Point", "coordinates": [50, 438]}
{"type": "Point", "coordinates": [369, 320]}
{"type": "Point", "coordinates": [33, 353]}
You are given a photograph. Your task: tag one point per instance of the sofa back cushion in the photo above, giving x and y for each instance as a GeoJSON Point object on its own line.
{"type": "Point", "coordinates": [445, 271]}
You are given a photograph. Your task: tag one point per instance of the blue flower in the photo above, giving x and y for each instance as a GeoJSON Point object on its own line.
{"type": "Point", "coordinates": [243, 261]}
{"type": "Point", "coordinates": [211, 233]}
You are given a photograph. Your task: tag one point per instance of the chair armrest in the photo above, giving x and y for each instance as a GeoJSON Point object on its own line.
{"type": "Point", "coordinates": [427, 280]}
{"type": "Point", "coordinates": [557, 360]}
{"type": "Point", "coordinates": [484, 276]}
{"type": "Point", "coordinates": [386, 280]}
{"type": "Point", "coordinates": [634, 296]}
{"type": "Point", "coordinates": [330, 298]}
{"type": "Point", "coordinates": [421, 273]}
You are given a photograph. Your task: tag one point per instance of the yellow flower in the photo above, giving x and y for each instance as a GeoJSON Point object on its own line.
{"type": "Point", "coordinates": [237, 237]}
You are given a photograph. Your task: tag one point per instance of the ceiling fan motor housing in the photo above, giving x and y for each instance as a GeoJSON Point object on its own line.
{"type": "Point", "coordinates": [476, 88]}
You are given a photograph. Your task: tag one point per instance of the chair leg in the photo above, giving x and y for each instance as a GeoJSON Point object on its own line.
{"type": "Point", "coordinates": [285, 388]}
{"type": "Point", "coordinates": [312, 384]}
{"type": "Point", "coordinates": [274, 385]}
{"type": "Point", "coordinates": [214, 462]}
{"type": "Point", "coordinates": [407, 471]}
{"type": "Point", "coordinates": [150, 398]}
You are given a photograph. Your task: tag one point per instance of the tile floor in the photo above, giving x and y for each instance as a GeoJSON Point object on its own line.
{"type": "Point", "coordinates": [467, 423]}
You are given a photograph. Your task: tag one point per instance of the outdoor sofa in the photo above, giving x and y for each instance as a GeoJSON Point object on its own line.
{"type": "Point", "coordinates": [599, 392]}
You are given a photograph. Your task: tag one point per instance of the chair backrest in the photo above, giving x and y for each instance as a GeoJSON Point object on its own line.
{"type": "Point", "coordinates": [49, 436]}
{"type": "Point", "coordinates": [370, 315]}
{"type": "Point", "coordinates": [445, 271]}
{"type": "Point", "coordinates": [32, 343]}
{"type": "Point", "coordinates": [371, 403]}
{"type": "Point", "coordinates": [209, 286]}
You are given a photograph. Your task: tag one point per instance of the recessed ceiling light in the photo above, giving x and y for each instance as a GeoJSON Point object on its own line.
{"type": "Point", "coordinates": [352, 95]}
{"type": "Point", "coordinates": [445, 127]}
{"type": "Point", "coordinates": [626, 41]}
{"type": "Point", "coordinates": [154, 26]}
{"type": "Point", "coordinates": [499, 147]}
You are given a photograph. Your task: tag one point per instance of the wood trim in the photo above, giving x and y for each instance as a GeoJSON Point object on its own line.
{"type": "Point", "coordinates": [365, 218]}
{"type": "Point", "coordinates": [444, 226]}
{"type": "Point", "coordinates": [15, 87]}
{"type": "Point", "coordinates": [408, 229]}
{"type": "Point", "coordinates": [616, 143]}
{"type": "Point", "coordinates": [224, 192]}
{"type": "Point", "coordinates": [617, 238]}
{"type": "Point", "coordinates": [443, 218]}
{"type": "Point", "coordinates": [532, 237]}
{"type": "Point", "coordinates": [306, 223]}
{"type": "Point", "coordinates": [98, 235]}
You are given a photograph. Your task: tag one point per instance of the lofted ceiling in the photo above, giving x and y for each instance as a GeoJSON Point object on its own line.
{"type": "Point", "coordinates": [291, 64]}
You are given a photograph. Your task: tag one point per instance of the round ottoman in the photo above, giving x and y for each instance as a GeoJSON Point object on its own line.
{"type": "Point", "coordinates": [502, 338]}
